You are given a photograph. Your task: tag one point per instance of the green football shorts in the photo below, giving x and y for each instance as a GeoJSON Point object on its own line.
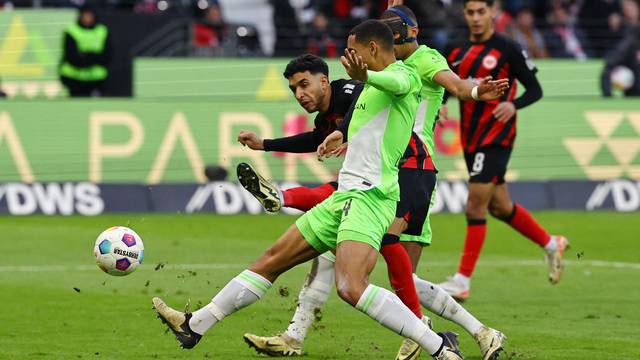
{"type": "Point", "coordinates": [356, 215]}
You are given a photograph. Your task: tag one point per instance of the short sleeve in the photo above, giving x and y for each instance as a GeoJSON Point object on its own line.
{"type": "Point", "coordinates": [432, 63]}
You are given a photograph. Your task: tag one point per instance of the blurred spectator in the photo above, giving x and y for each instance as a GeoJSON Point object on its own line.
{"type": "Point", "coordinates": [626, 54]}
{"type": "Point", "coordinates": [602, 23]}
{"type": "Point", "coordinates": [288, 39]}
{"type": "Point", "coordinates": [211, 31]}
{"type": "Point", "coordinates": [83, 68]}
{"type": "Point", "coordinates": [319, 41]}
{"type": "Point", "coordinates": [525, 33]}
{"type": "Point", "coordinates": [630, 14]}
{"type": "Point", "coordinates": [564, 39]}
{"type": "Point", "coordinates": [503, 19]}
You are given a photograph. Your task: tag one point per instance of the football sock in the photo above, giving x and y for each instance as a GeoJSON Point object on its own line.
{"type": "Point", "coordinates": [439, 302]}
{"type": "Point", "coordinates": [386, 308]}
{"type": "Point", "coordinates": [552, 245]}
{"type": "Point", "coordinates": [476, 233]}
{"type": "Point", "coordinates": [304, 198]}
{"type": "Point", "coordinates": [400, 272]}
{"type": "Point", "coordinates": [521, 220]}
{"type": "Point", "coordinates": [313, 296]}
{"type": "Point", "coordinates": [241, 291]}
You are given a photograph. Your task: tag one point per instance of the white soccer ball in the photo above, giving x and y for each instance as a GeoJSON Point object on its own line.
{"type": "Point", "coordinates": [622, 78]}
{"type": "Point", "coordinates": [118, 251]}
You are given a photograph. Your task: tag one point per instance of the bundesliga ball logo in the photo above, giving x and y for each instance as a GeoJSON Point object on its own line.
{"type": "Point", "coordinates": [118, 251]}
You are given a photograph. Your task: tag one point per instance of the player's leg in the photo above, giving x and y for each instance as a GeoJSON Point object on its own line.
{"type": "Point", "coordinates": [312, 297]}
{"type": "Point", "coordinates": [431, 296]}
{"type": "Point", "coordinates": [273, 199]}
{"type": "Point", "coordinates": [354, 262]}
{"type": "Point", "coordinates": [249, 286]}
{"type": "Point", "coordinates": [520, 219]}
{"type": "Point", "coordinates": [304, 198]}
{"type": "Point", "coordinates": [399, 267]}
{"type": "Point", "coordinates": [366, 216]}
{"type": "Point", "coordinates": [483, 172]}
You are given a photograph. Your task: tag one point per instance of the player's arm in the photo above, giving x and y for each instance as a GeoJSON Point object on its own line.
{"type": "Point", "coordinates": [302, 143]}
{"type": "Point", "coordinates": [487, 89]}
{"type": "Point", "coordinates": [396, 83]}
{"type": "Point", "coordinates": [525, 72]}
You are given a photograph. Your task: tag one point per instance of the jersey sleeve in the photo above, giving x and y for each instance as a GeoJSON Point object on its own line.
{"type": "Point", "coordinates": [431, 64]}
{"type": "Point", "coordinates": [396, 82]}
{"type": "Point", "coordinates": [525, 71]}
{"type": "Point", "coordinates": [521, 64]}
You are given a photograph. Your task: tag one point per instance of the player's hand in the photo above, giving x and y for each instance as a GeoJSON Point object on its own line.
{"type": "Point", "coordinates": [504, 111]}
{"type": "Point", "coordinates": [340, 150]}
{"type": "Point", "coordinates": [330, 145]}
{"type": "Point", "coordinates": [354, 65]}
{"type": "Point", "coordinates": [393, 3]}
{"type": "Point", "coordinates": [250, 139]}
{"type": "Point", "coordinates": [491, 89]}
{"type": "Point", "coordinates": [443, 114]}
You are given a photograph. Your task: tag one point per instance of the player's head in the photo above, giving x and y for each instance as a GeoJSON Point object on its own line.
{"type": "Point", "coordinates": [479, 15]}
{"type": "Point", "coordinates": [404, 24]}
{"type": "Point", "coordinates": [308, 77]}
{"type": "Point", "coordinates": [373, 41]}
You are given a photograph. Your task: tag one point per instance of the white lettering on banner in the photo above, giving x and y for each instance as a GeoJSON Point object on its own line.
{"type": "Point", "coordinates": [228, 199]}
{"type": "Point", "coordinates": [625, 195]}
{"type": "Point", "coordinates": [52, 198]}
{"type": "Point", "coordinates": [20, 199]}
{"type": "Point", "coordinates": [451, 196]}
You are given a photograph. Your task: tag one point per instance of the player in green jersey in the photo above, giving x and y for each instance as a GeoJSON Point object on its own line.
{"type": "Point", "coordinates": [353, 219]}
{"type": "Point", "coordinates": [417, 176]}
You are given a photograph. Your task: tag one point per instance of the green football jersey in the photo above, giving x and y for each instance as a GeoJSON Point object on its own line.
{"type": "Point", "coordinates": [379, 130]}
{"type": "Point", "coordinates": [428, 62]}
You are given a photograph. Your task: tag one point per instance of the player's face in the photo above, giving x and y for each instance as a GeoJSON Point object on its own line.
{"type": "Point", "coordinates": [309, 89]}
{"type": "Point", "coordinates": [479, 17]}
{"type": "Point", "coordinates": [363, 50]}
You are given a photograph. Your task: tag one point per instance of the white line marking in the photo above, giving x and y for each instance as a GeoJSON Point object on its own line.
{"type": "Point", "coordinates": [221, 266]}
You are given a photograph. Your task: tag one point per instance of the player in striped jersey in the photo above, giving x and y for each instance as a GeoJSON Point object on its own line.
{"type": "Point", "coordinates": [488, 131]}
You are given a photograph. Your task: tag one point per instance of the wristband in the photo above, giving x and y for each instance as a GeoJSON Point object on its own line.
{"type": "Point", "coordinates": [474, 93]}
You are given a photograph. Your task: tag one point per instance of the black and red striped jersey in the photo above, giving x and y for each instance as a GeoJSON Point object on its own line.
{"type": "Point", "coordinates": [416, 156]}
{"type": "Point", "coordinates": [499, 57]}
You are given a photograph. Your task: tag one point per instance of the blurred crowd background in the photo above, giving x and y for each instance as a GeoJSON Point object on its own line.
{"type": "Point", "coordinates": [578, 29]}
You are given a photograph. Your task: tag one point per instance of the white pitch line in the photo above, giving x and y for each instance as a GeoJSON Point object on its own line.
{"type": "Point", "coordinates": [220, 266]}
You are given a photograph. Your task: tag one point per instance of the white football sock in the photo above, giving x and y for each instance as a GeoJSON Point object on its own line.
{"type": "Point", "coordinates": [386, 308]}
{"type": "Point", "coordinates": [241, 291]}
{"type": "Point", "coordinates": [439, 302]}
{"type": "Point", "coordinates": [464, 280]}
{"type": "Point", "coordinates": [314, 295]}
{"type": "Point", "coordinates": [552, 245]}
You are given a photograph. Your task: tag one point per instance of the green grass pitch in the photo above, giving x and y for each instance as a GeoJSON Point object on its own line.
{"type": "Point", "coordinates": [592, 314]}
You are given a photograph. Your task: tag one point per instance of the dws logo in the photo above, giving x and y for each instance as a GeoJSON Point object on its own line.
{"type": "Point", "coordinates": [51, 199]}
{"type": "Point", "coordinates": [624, 194]}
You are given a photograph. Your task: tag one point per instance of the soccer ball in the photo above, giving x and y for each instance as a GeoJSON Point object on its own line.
{"type": "Point", "coordinates": [622, 78]}
{"type": "Point", "coordinates": [118, 251]}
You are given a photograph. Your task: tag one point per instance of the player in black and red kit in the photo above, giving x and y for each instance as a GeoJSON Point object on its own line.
{"type": "Point", "coordinates": [488, 132]}
{"type": "Point", "coordinates": [315, 93]}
